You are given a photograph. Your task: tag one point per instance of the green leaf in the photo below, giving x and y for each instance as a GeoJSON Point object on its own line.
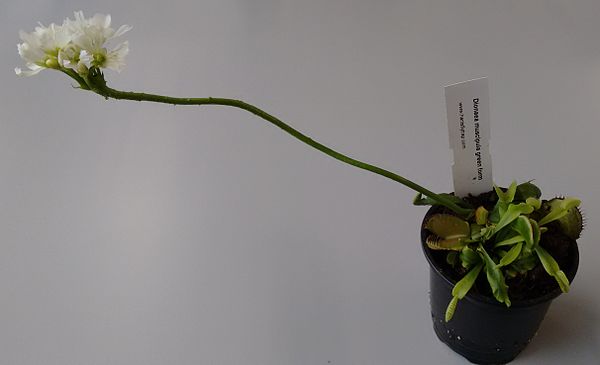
{"type": "Point", "coordinates": [495, 278]}
{"type": "Point", "coordinates": [509, 241]}
{"type": "Point", "coordinates": [461, 289]}
{"type": "Point", "coordinates": [466, 283]}
{"type": "Point", "coordinates": [437, 243]}
{"type": "Point", "coordinates": [534, 202]}
{"type": "Point", "coordinates": [522, 225]}
{"type": "Point", "coordinates": [559, 208]}
{"type": "Point", "coordinates": [511, 255]}
{"type": "Point", "coordinates": [562, 280]}
{"type": "Point", "coordinates": [451, 308]}
{"type": "Point", "coordinates": [476, 231]}
{"type": "Point", "coordinates": [481, 215]}
{"type": "Point", "coordinates": [503, 234]}
{"type": "Point", "coordinates": [469, 257]}
{"type": "Point", "coordinates": [537, 233]}
{"type": "Point", "coordinates": [509, 195]}
{"type": "Point", "coordinates": [494, 215]}
{"type": "Point", "coordinates": [448, 226]}
{"type": "Point", "coordinates": [571, 224]}
{"type": "Point", "coordinates": [504, 199]}
{"type": "Point", "coordinates": [487, 233]}
{"type": "Point", "coordinates": [525, 263]}
{"type": "Point", "coordinates": [551, 267]}
{"type": "Point", "coordinates": [527, 190]}
{"type": "Point", "coordinates": [512, 212]}
{"type": "Point", "coordinates": [498, 210]}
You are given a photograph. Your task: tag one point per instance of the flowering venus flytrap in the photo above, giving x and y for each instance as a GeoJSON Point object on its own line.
{"type": "Point", "coordinates": [503, 241]}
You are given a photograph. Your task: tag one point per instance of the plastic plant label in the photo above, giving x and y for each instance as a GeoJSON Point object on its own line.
{"type": "Point", "coordinates": [468, 110]}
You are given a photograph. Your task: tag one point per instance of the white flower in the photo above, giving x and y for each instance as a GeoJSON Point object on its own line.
{"type": "Point", "coordinates": [99, 24]}
{"type": "Point", "coordinates": [114, 59]}
{"type": "Point", "coordinates": [76, 44]}
{"type": "Point", "coordinates": [92, 34]}
{"type": "Point", "coordinates": [40, 48]}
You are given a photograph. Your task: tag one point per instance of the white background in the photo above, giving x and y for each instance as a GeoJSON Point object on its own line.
{"type": "Point", "coordinates": [150, 234]}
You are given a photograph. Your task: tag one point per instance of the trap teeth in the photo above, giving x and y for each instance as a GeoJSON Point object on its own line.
{"type": "Point", "coordinates": [572, 223]}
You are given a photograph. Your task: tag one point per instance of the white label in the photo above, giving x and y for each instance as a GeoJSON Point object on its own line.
{"type": "Point", "coordinates": [468, 110]}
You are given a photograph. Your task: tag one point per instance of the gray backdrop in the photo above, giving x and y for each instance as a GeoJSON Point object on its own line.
{"type": "Point", "coordinates": [151, 234]}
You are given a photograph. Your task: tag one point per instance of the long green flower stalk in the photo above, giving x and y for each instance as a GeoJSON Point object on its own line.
{"type": "Point", "coordinates": [78, 49]}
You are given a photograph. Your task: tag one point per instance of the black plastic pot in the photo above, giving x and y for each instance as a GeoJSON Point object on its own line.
{"type": "Point", "coordinates": [483, 330]}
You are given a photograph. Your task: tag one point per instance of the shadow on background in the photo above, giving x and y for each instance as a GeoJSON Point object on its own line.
{"type": "Point", "coordinates": [570, 326]}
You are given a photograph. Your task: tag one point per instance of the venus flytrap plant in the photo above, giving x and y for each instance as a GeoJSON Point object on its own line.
{"type": "Point", "coordinates": [503, 240]}
{"type": "Point", "coordinates": [505, 243]}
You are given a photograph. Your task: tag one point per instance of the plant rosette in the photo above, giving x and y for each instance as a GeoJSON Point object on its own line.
{"type": "Point", "coordinates": [502, 249]}
{"type": "Point", "coordinates": [493, 276]}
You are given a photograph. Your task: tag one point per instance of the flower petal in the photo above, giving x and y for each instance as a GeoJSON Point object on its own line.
{"type": "Point", "coordinates": [34, 69]}
{"type": "Point", "coordinates": [122, 30]}
{"type": "Point", "coordinates": [115, 59]}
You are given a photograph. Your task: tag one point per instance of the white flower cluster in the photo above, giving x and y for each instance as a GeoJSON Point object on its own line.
{"type": "Point", "coordinates": [76, 44]}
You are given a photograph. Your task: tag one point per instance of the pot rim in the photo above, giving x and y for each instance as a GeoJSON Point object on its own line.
{"type": "Point", "coordinates": [479, 298]}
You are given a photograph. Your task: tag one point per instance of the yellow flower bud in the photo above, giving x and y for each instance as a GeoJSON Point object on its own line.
{"type": "Point", "coordinates": [52, 62]}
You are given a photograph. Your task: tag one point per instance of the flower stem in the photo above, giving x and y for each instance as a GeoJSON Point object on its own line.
{"type": "Point", "coordinates": [95, 81]}
{"type": "Point", "coordinates": [80, 80]}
